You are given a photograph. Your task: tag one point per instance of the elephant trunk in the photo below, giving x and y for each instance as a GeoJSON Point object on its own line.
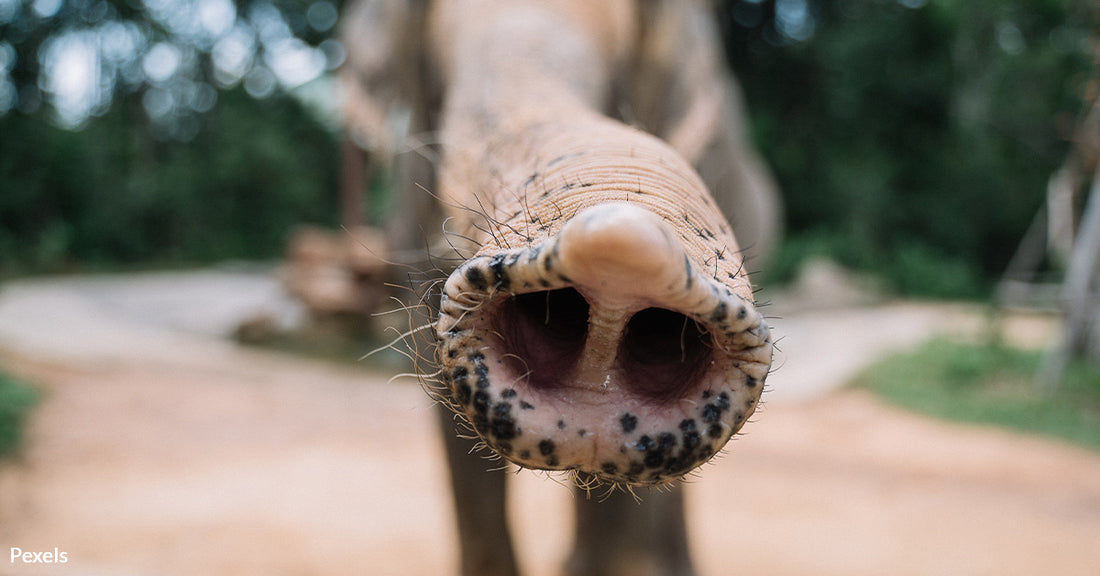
{"type": "Point", "coordinates": [605, 323]}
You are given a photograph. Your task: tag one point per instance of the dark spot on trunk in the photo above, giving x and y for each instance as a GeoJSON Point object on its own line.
{"type": "Point", "coordinates": [711, 414]}
{"type": "Point", "coordinates": [666, 441]}
{"type": "Point", "coordinates": [714, 431]}
{"type": "Point", "coordinates": [500, 271]}
{"type": "Point", "coordinates": [718, 315]}
{"type": "Point", "coordinates": [476, 278]}
{"type": "Point", "coordinates": [463, 393]}
{"type": "Point", "coordinates": [504, 428]}
{"type": "Point", "coordinates": [629, 422]}
{"type": "Point", "coordinates": [458, 376]}
{"type": "Point", "coordinates": [481, 401]}
{"type": "Point", "coordinates": [482, 376]}
{"type": "Point", "coordinates": [551, 258]}
{"type": "Point", "coordinates": [692, 440]}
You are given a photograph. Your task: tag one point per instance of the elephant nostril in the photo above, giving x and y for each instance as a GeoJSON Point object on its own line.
{"type": "Point", "coordinates": [567, 378]}
{"type": "Point", "coordinates": [663, 353]}
{"type": "Point", "coordinates": [544, 334]}
{"type": "Point", "coordinates": [660, 356]}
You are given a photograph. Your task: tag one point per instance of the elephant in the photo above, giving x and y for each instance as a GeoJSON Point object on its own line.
{"type": "Point", "coordinates": [576, 171]}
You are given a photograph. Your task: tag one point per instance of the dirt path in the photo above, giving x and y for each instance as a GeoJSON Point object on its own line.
{"type": "Point", "coordinates": [162, 449]}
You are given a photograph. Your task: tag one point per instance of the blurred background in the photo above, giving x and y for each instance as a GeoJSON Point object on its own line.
{"type": "Point", "coordinates": [909, 137]}
{"type": "Point", "coordinates": [914, 142]}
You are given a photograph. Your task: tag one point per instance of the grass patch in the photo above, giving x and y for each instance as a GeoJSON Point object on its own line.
{"type": "Point", "coordinates": [16, 401]}
{"type": "Point", "coordinates": [989, 384]}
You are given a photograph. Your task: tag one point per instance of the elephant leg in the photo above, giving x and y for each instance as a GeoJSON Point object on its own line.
{"type": "Point", "coordinates": [620, 536]}
{"type": "Point", "coordinates": [479, 501]}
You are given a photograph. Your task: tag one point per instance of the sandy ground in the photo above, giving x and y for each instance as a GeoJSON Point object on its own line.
{"type": "Point", "coordinates": [163, 449]}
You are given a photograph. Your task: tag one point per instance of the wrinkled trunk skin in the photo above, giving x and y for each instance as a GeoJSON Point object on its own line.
{"type": "Point", "coordinates": [603, 323]}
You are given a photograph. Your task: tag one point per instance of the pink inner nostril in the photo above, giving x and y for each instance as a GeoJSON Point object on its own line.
{"type": "Point", "coordinates": [663, 353]}
{"type": "Point", "coordinates": [660, 356]}
{"type": "Point", "coordinates": [544, 334]}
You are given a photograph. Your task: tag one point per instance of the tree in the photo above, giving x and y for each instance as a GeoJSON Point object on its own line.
{"type": "Point", "coordinates": [911, 137]}
{"type": "Point", "coordinates": [1078, 178]}
{"type": "Point", "coordinates": [163, 131]}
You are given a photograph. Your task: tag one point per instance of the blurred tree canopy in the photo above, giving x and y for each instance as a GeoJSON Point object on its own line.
{"type": "Point", "coordinates": [912, 138]}
{"type": "Point", "coordinates": [161, 132]}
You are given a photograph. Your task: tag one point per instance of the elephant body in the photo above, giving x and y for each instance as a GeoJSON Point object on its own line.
{"type": "Point", "coordinates": [586, 162]}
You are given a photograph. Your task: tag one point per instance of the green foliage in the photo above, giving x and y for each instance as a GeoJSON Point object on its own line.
{"type": "Point", "coordinates": [913, 136]}
{"type": "Point", "coordinates": [116, 193]}
{"type": "Point", "coordinates": [920, 268]}
{"type": "Point", "coordinates": [913, 267]}
{"type": "Point", "coordinates": [175, 159]}
{"type": "Point", "coordinates": [991, 384]}
{"type": "Point", "coordinates": [16, 401]}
